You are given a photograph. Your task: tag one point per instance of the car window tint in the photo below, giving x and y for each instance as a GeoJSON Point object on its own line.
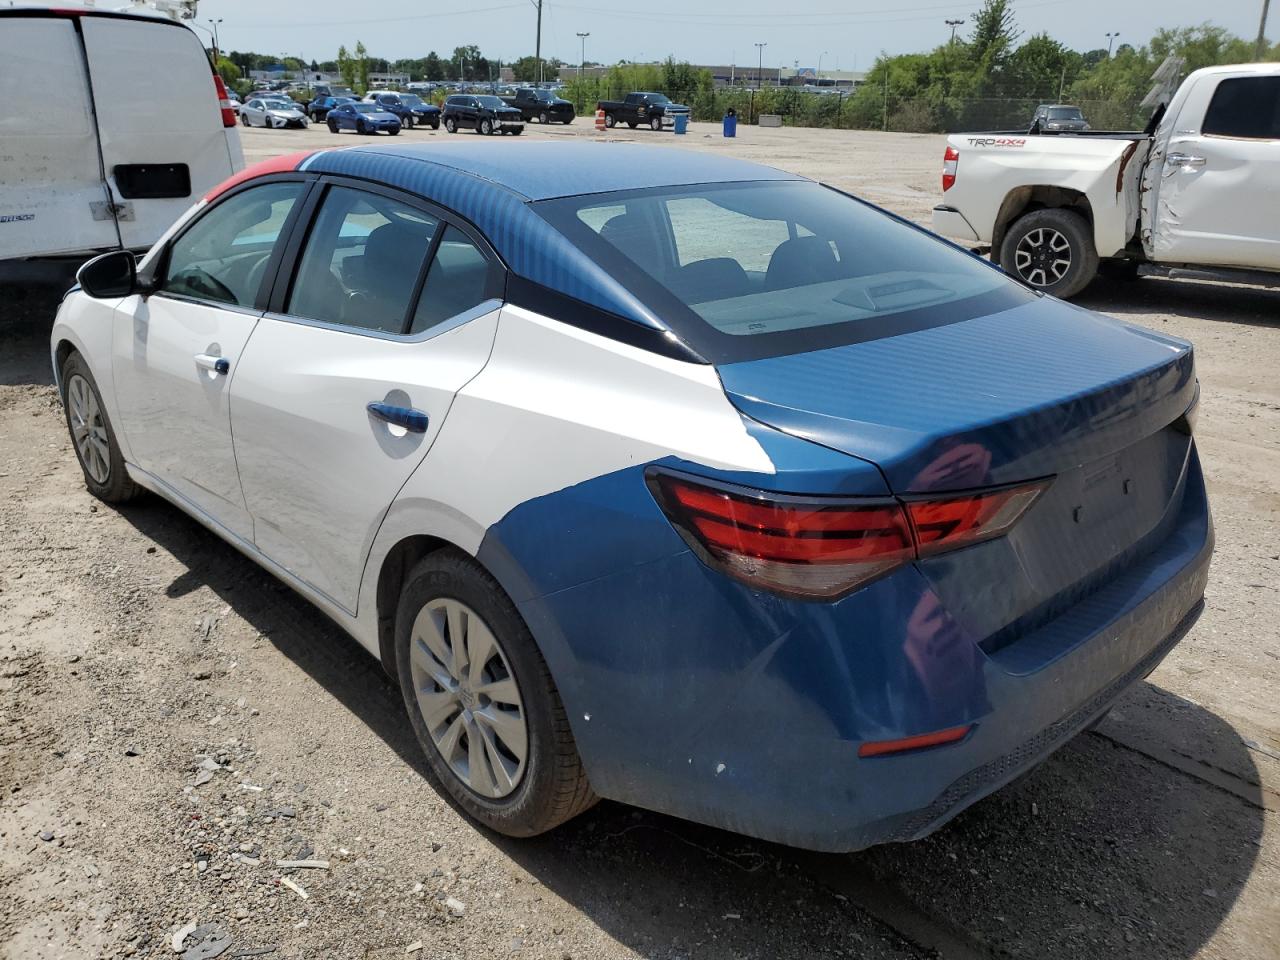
{"type": "Point", "coordinates": [704, 231]}
{"type": "Point", "coordinates": [223, 255]}
{"type": "Point", "coordinates": [1247, 107]}
{"type": "Point", "coordinates": [362, 261]}
{"type": "Point", "coordinates": [457, 281]}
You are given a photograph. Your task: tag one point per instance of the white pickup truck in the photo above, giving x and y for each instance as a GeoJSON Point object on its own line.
{"type": "Point", "coordinates": [1195, 195]}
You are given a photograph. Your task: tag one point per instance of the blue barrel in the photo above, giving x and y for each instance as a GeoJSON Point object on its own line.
{"type": "Point", "coordinates": [731, 123]}
{"type": "Point", "coordinates": [682, 122]}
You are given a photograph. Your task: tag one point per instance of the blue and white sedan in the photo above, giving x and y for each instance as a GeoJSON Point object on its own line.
{"type": "Point", "coordinates": [659, 476]}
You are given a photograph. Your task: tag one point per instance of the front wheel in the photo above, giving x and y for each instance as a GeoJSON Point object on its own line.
{"type": "Point", "coordinates": [333, 127]}
{"type": "Point", "coordinates": [482, 701]}
{"type": "Point", "coordinates": [1051, 250]}
{"type": "Point", "coordinates": [244, 118]}
{"type": "Point", "coordinates": [92, 435]}
{"type": "Point", "coordinates": [655, 123]}
{"type": "Point", "coordinates": [517, 131]}
{"type": "Point", "coordinates": [485, 127]}
{"type": "Point", "coordinates": [451, 125]}
{"type": "Point", "coordinates": [544, 117]}
{"type": "Point", "coordinates": [395, 131]}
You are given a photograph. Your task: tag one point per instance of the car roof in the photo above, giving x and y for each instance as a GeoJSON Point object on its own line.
{"type": "Point", "coordinates": [544, 170]}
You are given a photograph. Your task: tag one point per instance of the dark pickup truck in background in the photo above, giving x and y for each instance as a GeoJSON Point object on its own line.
{"type": "Point", "coordinates": [652, 109]}
{"type": "Point", "coordinates": [541, 105]}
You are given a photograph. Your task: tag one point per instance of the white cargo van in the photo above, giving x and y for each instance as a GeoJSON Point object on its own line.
{"type": "Point", "coordinates": [112, 125]}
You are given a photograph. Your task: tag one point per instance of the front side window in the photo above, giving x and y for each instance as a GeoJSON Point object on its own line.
{"type": "Point", "coordinates": [1246, 107]}
{"type": "Point", "coordinates": [362, 261]}
{"type": "Point", "coordinates": [745, 270]}
{"type": "Point", "coordinates": [223, 255]}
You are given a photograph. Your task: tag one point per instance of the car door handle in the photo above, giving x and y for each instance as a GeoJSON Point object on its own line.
{"type": "Point", "coordinates": [216, 364]}
{"type": "Point", "coordinates": [1185, 160]}
{"type": "Point", "coordinates": [415, 421]}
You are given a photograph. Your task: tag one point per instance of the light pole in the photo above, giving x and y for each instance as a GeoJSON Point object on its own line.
{"type": "Point", "coordinates": [820, 56]}
{"type": "Point", "coordinates": [953, 24]}
{"type": "Point", "coordinates": [1261, 48]}
{"type": "Point", "coordinates": [1111, 38]}
{"type": "Point", "coordinates": [760, 63]}
{"type": "Point", "coordinates": [537, 49]}
{"type": "Point", "coordinates": [582, 60]}
{"type": "Point", "coordinates": [216, 46]}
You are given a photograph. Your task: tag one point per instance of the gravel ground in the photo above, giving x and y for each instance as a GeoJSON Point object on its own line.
{"type": "Point", "coordinates": [175, 723]}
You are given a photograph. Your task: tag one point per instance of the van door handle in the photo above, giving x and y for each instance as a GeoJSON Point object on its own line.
{"type": "Point", "coordinates": [215, 364]}
{"type": "Point", "coordinates": [1185, 160]}
{"type": "Point", "coordinates": [415, 421]}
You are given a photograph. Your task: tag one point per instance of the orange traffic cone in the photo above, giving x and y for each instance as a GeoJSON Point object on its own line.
{"type": "Point", "coordinates": [600, 119]}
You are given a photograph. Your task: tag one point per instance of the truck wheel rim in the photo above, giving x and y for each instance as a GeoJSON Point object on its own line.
{"type": "Point", "coordinates": [88, 430]}
{"type": "Point", "coordinates": [468, 697]}
{"type": "Point", "coordinates": [1043, 256]}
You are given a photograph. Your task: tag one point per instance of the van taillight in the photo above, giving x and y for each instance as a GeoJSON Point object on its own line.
{"type": "Point", "coordinates": [224, 102]}
{"type": "Point", "coordinates": [950, 161]}
{"type": "Point", "coordinates": [820, 548]}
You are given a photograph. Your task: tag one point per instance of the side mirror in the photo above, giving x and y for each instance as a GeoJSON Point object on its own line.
{"type": "Point", "coordinates": [110, 275]}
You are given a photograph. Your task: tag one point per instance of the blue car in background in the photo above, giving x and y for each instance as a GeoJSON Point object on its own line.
{"type": "Point", "coordinates": [424, 114]}
{"type": "Point", "coordinates": [362, 118]}
{"type": "Point", "coordinates": [319, 108]}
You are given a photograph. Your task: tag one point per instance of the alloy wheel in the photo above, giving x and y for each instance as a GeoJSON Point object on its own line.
{"type": "Point", "coordinates": [89, 430]}
{"type": "Point", "coordinates": [468, 697]}
{"type": "Point", "coordinates": [1043, 256]}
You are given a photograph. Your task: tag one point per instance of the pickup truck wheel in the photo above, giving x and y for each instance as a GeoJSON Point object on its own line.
{"type": "Point", "coordinates": [611, 121]}
{"type": "Point", "coordinates": [655, 123]}
{"type": "Point", "coordinates": [1051, 250]}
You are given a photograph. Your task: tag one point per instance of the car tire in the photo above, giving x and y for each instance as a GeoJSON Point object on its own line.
{"type": "Point", "coordinates": [244, 118]}
{"type": "Point", "coordinates": [445, 592]}
{"type": "Point", "coordinates": [333, 127]}
{"type": "Point", "coordinates": [656, 124]}
{"type": "Point", "coordinates": [517, 131]}
{"type": "Point", "coordinates": [610, 120]}
{"type": "Point", "coordinates": [92, 436]}
{"type": "Point", "coordinates": [451, 125]}
{"type": "Point", "coordinates": [361, 128]}
{"type": "Point", "coordinates": [544, 117]}
{"type": "Point", "coordinates": [484, 127]}
{"type": "Point", "coordinates": [436, 125]}
{"type": "Point", "coordinates": [1050, 249]}
{"type": "Point", "coordinates": [633, 124]}
{"type": "Point", "coordinates": [395, 131]}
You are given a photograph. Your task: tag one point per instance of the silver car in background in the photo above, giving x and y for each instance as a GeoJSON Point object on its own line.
{"type": "Point", "coordinates": [274, 112]}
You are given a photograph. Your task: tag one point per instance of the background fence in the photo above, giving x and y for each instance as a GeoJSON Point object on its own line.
{"type": "Point", "coordinates": [866, 108]}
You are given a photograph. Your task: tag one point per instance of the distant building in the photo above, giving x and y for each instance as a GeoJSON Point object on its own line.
{"type": "Point", "coordinates": [746, 75]}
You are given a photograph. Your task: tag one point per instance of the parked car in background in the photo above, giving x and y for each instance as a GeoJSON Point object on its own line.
{"type": "Point", "coordinates": [1059, 116]}
{"type": "Point", "coordinates": [234, 99]}
{"type": "Point", "coordinates": [541, 105]}
{"type": "Point", "coordinates": [483, 113]}
{"type": "Point", "coordinates": [1194, 195]}
{"type": "Point", "coordinates": [319, 108]}
{"type": "Point", "coordinates": [424, 114]}
{"type": "Point", "coordinates": [275, 113]}
{"type": "Point", "coordinates": [333, 90]}
{"type": "Point", "coordinates": [362, 117]}
{"type": "Point", "coordinates": [897, 568]}
{"type": "Point", "coordinates": [653, 110]}
{"type": "Point", "coordinates": [97, 171]}
{"type": "Point", "coordinates": [392, 103]}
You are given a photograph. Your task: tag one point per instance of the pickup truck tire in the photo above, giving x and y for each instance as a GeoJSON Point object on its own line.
{"type": "Point", "coordinates": [656, 124]}
{"type": "Point", "coordinates": [1052, 250]}
{"type": "Point", "coordinates": [610, 121]}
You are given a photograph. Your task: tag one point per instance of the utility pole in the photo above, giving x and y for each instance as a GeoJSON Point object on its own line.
{"type": "Point", "coordinates": [1111, 38]}
{"type": "Point", "coordinates": [217, 46]}
{"type": "Point", "coordinates": [1260, 49]}
{"type": "Point", "coordinates": [537, 49]}
{"type": "Point", "coordinates": [953, 24]}
{"type": "Point", "coordinates": [581, 61]}
{"type": "Point", "coordinates": [760, 63]}
{"type": "Point", "coordinates": [820, 56]}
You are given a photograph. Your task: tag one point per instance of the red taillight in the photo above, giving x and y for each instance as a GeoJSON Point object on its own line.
{"type": "Point", "coordinates": [824, 547]}
{"type": "Point", "coordinates": [953, 522]}
{"type": "Point", "coordinates": [224, 102]}
{"type": "Point", "coordinates": [882, 748]}
{"type": "Point", "coordinates": [950, 163]}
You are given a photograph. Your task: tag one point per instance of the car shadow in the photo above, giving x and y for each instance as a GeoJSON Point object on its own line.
{"type": "Point", "coordinates": [1101, 850]}
{"type": "Point", "coordinates": [1222, 303]}
{"type": "Point", "coordinates": [26, 317]}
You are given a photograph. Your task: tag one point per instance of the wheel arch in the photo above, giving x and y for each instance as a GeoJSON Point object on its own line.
{"type": "Point", "coordinates": [1024, 199]}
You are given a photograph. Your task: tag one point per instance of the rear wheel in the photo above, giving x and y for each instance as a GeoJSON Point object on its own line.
{"type": "Point", "coordinates": [482, 702]}
{"type": "Point", "coordinates": [435, 125]}
{"type": "Point", "coordinates": [610, 120]}
{"type": "Point", "coordinates": [92, 435]}
{"type": "Point", "coordinates": [1051, 250]}
{"type": "Point", "coordinates": [517, 131]}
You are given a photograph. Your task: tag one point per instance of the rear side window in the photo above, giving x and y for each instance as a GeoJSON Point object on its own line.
{"type": "Point", "coordinates": [1246, 107]}
{"type": "Point", "coordinates": [223, 255]}
{"type": "Point", "coordinates": [362, 261]}
{"type": "Point", "coordinates": [748, 270]}
{"type": "Point", "coordinates": [460, 278]}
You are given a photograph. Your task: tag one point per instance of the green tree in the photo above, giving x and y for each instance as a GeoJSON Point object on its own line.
{"type": "Point", "coordinates": [228, 70]}
{"type": "Point", "coordinates": [346, 67]}
{"type": "Point", "coordinates": [432, 68]}
{"type": "Point", "coordinates": [525, 69]}
{"type": "Point", "coordinates": [362, 68]}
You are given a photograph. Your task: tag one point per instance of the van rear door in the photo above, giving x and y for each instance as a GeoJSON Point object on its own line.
{"type": "Point", "coordinates": [163, 143]}
{"type": "Point", "coordinates": [52, 196]}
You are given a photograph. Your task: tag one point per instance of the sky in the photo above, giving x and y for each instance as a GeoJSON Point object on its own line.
{"type": "Point", "coordinates": [846, 35]}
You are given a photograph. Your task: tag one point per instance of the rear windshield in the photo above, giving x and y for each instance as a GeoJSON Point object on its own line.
{"type": "Point", "coordinates": [747, 270]}
{"type": "Point", "coordinates": [1064, 113]}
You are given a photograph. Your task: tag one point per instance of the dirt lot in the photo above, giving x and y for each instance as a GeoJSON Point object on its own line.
{"type": "Point", "coordinates": [174, 721]}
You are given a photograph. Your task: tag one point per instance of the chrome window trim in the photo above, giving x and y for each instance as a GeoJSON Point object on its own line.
{"type": "Point", "coordinates": [444, 326]}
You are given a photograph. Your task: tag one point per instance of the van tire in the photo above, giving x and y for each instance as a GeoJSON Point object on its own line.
{"type": "Point", "coordinates": [1038, 242]}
